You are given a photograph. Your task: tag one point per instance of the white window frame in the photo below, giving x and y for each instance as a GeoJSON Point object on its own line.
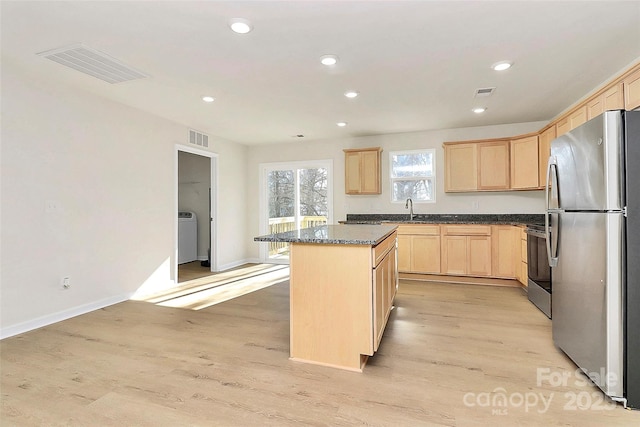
{"type": "Point", "coordinates": [431, 177]}
{"type": "Point", "coordinates": [264, 169]}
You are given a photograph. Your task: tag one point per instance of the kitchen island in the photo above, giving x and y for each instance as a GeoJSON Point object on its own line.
{"type": "Point", "coordinates": [343, 279]}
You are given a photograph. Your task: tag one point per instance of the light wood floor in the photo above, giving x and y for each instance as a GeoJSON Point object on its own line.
{"type": "Point", "coordinates": [136, 363]}
{"type": "Point", "coordinates": [192, 270]}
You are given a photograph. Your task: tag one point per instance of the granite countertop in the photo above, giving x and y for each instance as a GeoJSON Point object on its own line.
{"type": "Point", "coordinates": [505, 219]}
{"type": "Point", "coordinates": [366, 234]}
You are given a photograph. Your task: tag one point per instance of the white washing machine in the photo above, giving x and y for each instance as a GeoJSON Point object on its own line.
{"type": "Point", "coordinates": [187, 237]}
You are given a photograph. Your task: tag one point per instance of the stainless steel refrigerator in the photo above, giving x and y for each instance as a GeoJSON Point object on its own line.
{"type": "Point", "coordinates": [593, 245]}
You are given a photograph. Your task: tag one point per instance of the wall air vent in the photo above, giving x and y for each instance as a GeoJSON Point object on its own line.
{"type": "Point", "coordinates": [92, 62]}
{"type": "Point", "coordinates": [485, 91]}
{"type": "Point", "coordinates": [198, 138]}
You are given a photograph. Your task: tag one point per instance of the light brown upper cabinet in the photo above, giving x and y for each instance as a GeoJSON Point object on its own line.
{"type": "Point", "coordinates": [461, 167]}
{"type": "Point", "coordinates": [362, 171]}
{"type": "Point", "coordinates": [524, 163]}
{"type": "Point", "coordinates": [544, 151]}
{"type": "Point", "coordinates": [572, 121]}
{"type": "Point", "coordinates": [476, 166]}
{"type": "Point", "coordinates": [632, 90]}
{"type": "Point", "coordinates": [610, 99]}
{"type": "Point", "coordinates": [493, 165]}
{"type": "Point", "coordinates": [563, 126]}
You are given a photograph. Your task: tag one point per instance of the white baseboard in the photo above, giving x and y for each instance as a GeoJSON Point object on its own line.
{"type": "Point", "coordinates": [49, 319]}
{"type": "Point", "coordinates": [233, 264]}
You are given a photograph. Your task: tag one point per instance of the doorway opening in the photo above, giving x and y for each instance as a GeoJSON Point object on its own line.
{"type": "Point", "coordinates": [293, 195]}
{"type": "Point", "coordinates": [196, 203]}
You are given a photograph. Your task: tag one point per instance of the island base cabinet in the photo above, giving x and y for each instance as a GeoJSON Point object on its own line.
{"type": "Point", "coordinates": [385, 279]}
{"type": "Point", "coordinates": [340, 301]}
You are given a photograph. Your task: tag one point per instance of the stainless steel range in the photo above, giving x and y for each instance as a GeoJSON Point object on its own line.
{"type": "Point", "coordinates": [539, 271]}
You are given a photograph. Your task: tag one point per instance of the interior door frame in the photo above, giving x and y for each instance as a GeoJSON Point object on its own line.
{"type": "Point", "coordinates": [213, 207]}
{"type": "Point", "coordinates": [264, 168]}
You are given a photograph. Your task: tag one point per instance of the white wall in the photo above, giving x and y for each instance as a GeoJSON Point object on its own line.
{"type": "Point", "coordinates": [494, 202]}
{"type": "Point", "coordinates": [88, 192]}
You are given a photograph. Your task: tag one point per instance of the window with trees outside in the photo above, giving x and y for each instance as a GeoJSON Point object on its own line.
{"type": "Point", "coordinates": [413, 175]}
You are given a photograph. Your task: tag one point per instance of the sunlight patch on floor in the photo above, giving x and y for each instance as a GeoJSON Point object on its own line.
{"type": "Point", "coordinates": [207, 291]}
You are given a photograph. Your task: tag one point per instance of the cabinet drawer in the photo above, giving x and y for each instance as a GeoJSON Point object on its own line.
{"type": "Point", "coordinates": [381, 249]}
{"type": "Point", "coordinates": [424, 229]}
{"type": "Point", "coordinates": [466, 230]}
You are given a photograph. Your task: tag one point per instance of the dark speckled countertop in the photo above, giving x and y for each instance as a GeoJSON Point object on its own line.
{"type": "Point", "coordinates": [507, 219]}
{"type": "Point", "coordinates": [366, 234]}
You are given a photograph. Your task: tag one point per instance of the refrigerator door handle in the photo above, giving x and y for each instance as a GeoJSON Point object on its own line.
{"type": "Point", "coordinates": [551, 187]}
{"type": "Point", "coordinates": [549, 233]}
{"type": "Point", "coordinates": [551, 238]}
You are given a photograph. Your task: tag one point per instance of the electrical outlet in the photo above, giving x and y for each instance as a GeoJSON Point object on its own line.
{"type": "Point", "coordinates": [66, 283]}
{"type": "Point", "coordinates": [475, 205]}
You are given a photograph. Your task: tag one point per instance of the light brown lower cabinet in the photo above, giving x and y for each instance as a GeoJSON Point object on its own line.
{"type": "Point", "coordinates": [476, 250]}
{"type": "Point", "coordinates": [340, 300]}
{"type": "Point", "coordinates": [466, 255]}
{"type": "Point", "coordinates": [419, 248]}
{"type": "Point", "coordinates": [384, 278]}
{"type": "Point", "coordinates": [505, 251]}
{"type": "Point", "coordinates": [523, 271]}
{"type": "Point", "coordinates": [466, 250]}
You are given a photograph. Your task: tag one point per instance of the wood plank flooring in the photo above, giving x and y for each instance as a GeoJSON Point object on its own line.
{"type": "Point", "coordinates": [192, 270]}
{"type": "Point", "coordinates": [447, 352]}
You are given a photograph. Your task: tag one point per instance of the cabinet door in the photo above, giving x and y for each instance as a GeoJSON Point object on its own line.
{"type": "Point", "coordinates": [505, 251]}
{"type": "Point", "coordinates": [426, 254]}
{"type": "Point", "coordinates": [379, 286]}
{"type": "Point", "coordinates": [404, 253]}
{"type": "Point", "coordinates": [595, 107]}
{"type": "Point", "coordinates": [384, 291]}
{"type": "Point", "coordinates": [578, 117]}
{"type": "Point", "coordinates": [613, 98]}
{"type": "Point", "coordinates": [370, 172]}
{"type": "Point", "coordinates": [610, 99]}
{"type": "Point", "coordinates": [632, 91]}
{"type": "Point", "coordinates": [523, 258]}
{"type": "Point", "coordinates": [454, 255]}
{"type": "Point", "coordinates": [493, 165]}
{"type": "Point", "coordinates": [461, 167]}
{"type": "Point", "coordinates": [524, 162]}
{"type": "Point", "coordinates": [392, 282]}
{"type": "Point", "coordinates": [362, 171]}
{"type": "Point", "coordinates": [544, 151]}
{"type": "Point", "coordinates": [479, 257]}
{"type": "Point", "coordinates": [563, 126]}
{"type": "Point", "coordinates": [352, 172]}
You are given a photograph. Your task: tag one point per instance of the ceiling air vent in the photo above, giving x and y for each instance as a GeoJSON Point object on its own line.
{"type": "Point", "coordinates": [484, 91]}
{"type": "Point", "coordinates": [198, 138]}
{"type": "Point", "coordinates": [92, 62]}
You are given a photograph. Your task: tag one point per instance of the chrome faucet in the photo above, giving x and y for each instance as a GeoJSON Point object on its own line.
{"type": "Point", "coordinates": [409, 205]}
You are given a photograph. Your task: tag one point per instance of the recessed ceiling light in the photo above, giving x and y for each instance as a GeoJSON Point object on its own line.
{"type": "Point", "coordinates": [479, 110]}
{"type": "Point", "coordinates": [208, 98]}
{"type": "Point", "coordinates": [502, 65]}
{"type": "Point", "coordinates": [342, 124]}
{"type": "Point", "coordinates": [351, 94]}
{"type": "Point", "coordinates": [240, 25]}
{"type": "Point", "coordinates": [329, 59]}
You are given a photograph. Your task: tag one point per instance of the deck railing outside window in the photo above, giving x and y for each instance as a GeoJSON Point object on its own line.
{"type": "Point", "coordinates": [282, 224]}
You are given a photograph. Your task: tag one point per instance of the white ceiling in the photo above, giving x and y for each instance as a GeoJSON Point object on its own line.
{"type": "Point", "coordinates": [415, 63]}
